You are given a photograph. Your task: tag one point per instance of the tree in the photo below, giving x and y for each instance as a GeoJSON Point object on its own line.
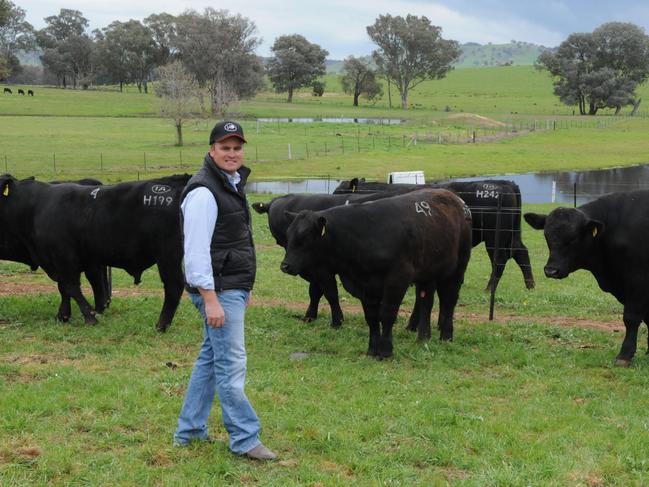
{"type": "Point", "coordinates": [601, 69]}
{"type": "Point", "coordinates": [410, 51]}
{"type": "Point", "coordinates": [16, 34]}
{"type": "Point", "coordinates": [296, 63]}
{"type": "Point", "coordinates": [163, 30]}
{"type": "Point", "coordinates": [219, 50]}
{"type": "Point", "coordinates": [128, 52]}
{"type": "Point", "coordinates": [359, 79]}
{"type": "Point", "coordinates": [67, 49]}
{"type": "Point", "coordinates": [178, 90]}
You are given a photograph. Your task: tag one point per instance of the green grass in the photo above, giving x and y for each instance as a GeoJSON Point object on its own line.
{"type": "Point", "coordinates": [519, 401]}
{"type": "Point", "coordinates": [515, 402]}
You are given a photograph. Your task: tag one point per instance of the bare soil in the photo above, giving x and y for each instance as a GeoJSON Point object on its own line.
{"type": "Point", "coordinates": [8, 288]}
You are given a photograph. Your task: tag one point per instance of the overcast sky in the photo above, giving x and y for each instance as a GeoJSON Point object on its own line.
{"type": "Point", "coordinates": [340, 25]}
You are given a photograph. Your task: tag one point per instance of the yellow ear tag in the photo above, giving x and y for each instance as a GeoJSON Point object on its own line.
{"type": "Point", "coordinates": [323, 231]}
{"type": "Point", "coordinates": [594, 231]}
{"type": "Point", "coordinates": [5, 192]}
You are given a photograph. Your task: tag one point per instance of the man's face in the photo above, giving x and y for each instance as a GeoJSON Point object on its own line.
{"type": "Point", "coordinates": [228, 154]}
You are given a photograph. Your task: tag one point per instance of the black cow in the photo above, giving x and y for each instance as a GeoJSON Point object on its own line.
{"type": "Point", "coordinates": [607, 237]}
{"type": "Point", "coordinates": [20, 91]}
{"type": "Point", "coordinates": [278, 222]}
{"type": "Point", "coordinates": [68, 228]}
{"type": "Point", "coordinates": [8, 90]}
{"type": "Point", "coordinates": [380, 248]}
{"type": "Point", "coordinates": [11, 248]}
{"type": "Point", "coordinates": [30, 92]}
{"type": "Point", "coordinates": [482, 198]}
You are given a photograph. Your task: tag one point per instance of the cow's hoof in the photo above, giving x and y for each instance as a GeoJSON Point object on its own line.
{"type": "Point", "coordinates": [91, 321]}
{"type": "Point", "coordinates": [622, 362]}
{"type": "Point", "coordinates": [63, 318]}
{"type": "Point", "coordinates": [530, 284]}
{"type": "Point", "coordinates": [161, 327]}
{"type": "Point", "coordinates": [423, 338]}
{"type": "Point", "coordinates": [308, 319]}
{"type": "Point", "coordinates": [372, 353]}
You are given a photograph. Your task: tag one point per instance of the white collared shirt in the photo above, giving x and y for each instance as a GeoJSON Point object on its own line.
{"type": "Point", "coordinates": [200, 212]}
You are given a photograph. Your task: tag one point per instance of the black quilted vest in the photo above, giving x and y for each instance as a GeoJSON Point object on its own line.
{"type": "Point", "coordinates": [232, 248]}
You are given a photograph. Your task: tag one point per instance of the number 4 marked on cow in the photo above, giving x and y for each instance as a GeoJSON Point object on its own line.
{"type": "Point", "coordinates": [423, 207]}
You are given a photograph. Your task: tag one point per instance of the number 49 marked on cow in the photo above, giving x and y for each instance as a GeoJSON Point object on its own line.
{"type": "Point", "coordinates": [423, 207]}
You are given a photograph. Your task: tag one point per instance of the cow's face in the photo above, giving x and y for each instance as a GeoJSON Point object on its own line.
{"type": "Point", "coordinates": [304, 241]}
{"type": "Point", "coordinates": [570, 236]}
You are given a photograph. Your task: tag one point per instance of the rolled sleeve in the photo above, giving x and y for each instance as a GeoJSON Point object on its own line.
{"type": "Point", "coordinates": [199, 219]}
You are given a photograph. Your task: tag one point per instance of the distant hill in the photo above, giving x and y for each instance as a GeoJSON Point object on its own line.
{"type": "Point", "coordinates": [474, 55]}
{"type": "Point", "coordinates": [516, 53]}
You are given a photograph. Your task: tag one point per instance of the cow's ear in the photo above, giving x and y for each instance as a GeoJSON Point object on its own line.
{"type": "Point", "coordinates": [353, 185]}
{"type": "Point", "coordinates": [260, 207]}
{"type": "Point", "coordinates": [290, 215]}
{"type": "Point", "coordinates": [536, 220]}
{"type": "Point", "coordinates": [594, 228]}
{"type": "Point", "coordinates": [6, 185]}
{"type": "Point", "coordinates": [322, 225]}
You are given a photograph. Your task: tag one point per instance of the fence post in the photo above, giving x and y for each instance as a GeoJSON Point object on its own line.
{"type": "Point", "coordinates": [574, 192]}
{"type": "Point", "coordinates": [494, 265]}
{"type": "Point", "coordinates": [358, 143]}
{"type": "Point", "coordinates": [289, 152]}
{"type": "Point", "coordinates": [325, 148]}
{"type": "Point", "coordinates": [554, 191]}
{"type": "Point", "coordinates": [145, 162]}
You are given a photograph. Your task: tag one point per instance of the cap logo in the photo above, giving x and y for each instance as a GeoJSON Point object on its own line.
{"type": "Point", "coordinates": [230, 127]}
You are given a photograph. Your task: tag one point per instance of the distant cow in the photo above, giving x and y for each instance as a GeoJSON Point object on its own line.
{"type": "Point", "coordinates": [30, 92]}
{"type": "Point", "coordinates": [482, 198]}
{"type": "Point", "coordinates": [7, 90]}
{"type": "Point", "coordinates": [69, 228]}
{"type": "Point", "coordinates": [380, 248]}
{"type": "Point", "coordinates": [20, 91]}
{"type": "Point", "coordinates": [11, 248]}
{"type": "Point", "coordinates": [278, 222]}
{"type": "Point", "coordinates": [607, 237]}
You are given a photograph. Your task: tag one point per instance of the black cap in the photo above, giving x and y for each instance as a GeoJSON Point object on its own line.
{"type": "Point", "coordinates": [223, 130]}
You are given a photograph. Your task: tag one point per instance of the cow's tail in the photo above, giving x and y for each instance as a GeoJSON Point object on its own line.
{"type": "Point", "coordinates": [261, 207]}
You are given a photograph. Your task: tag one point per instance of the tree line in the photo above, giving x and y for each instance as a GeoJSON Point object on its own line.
{"type": "Point", "coordinates": [215, 51]}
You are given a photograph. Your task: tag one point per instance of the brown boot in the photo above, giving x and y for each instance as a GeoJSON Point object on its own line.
{"type": "Point", "coordinates": [260, 452]}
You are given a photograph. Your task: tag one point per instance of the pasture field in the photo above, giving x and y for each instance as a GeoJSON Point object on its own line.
{"type": "Point", "coordinates": [529, 399]}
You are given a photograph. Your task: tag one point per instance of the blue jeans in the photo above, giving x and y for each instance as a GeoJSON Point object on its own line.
{"type": "Point", "coordinates": [220, 368]}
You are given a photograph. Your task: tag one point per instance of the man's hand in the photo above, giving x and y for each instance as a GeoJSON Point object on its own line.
{"type": "Point", "coordinates": [213, 309]}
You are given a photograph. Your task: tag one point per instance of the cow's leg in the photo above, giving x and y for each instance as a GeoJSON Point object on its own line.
{"type": "Point", "coordinates": [392, 298]}
{"type": "Point", "coordinates": [65, 308]}
{"type": "Point", "coordinates": [420, 317]}
{"type": "Point", "coordinates": [329, 287]}
{"type": "Point", "coordinates": [371, 311]}
{"type": "Point", "coordinates": [315, 293]}
{"type": "Point", "coordinates": [171, 275]}
{"type": "Point", "coordinates": [522, 258]}
{"type": "Point", "coordinates": [632, 320]}
{"type": "Point", "coordinates": [448, 293]}
{"type": "Point", "coordinates": [97, 277]}
{"type": "Point", "coordinates": [73, 289]}
{"type": "Point", "coordinates": [497, 266]}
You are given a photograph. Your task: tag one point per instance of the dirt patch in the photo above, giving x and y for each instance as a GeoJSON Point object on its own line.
{"type": "Point", "coordinates": [18, 289]}
{"type": "Point", "coordinates": [481, 318]}
{"type": "Point", "coordinates": [475, 120]}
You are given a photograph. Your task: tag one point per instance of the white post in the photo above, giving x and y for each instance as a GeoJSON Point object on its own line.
{"type": "Point", "coordinates": [554, 191]}
{"type": "Point", "coordinates": [289, 152]}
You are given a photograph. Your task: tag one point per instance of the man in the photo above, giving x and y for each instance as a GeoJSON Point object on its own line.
{"type": "Point", "coordinates": [220, 272]}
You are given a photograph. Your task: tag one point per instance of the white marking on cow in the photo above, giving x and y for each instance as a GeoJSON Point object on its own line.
{"type": "Point", "coordinates": [490, 193]}
{"type": "Point", "coordinates": [423, 207]}
{"type": "Point", "coordinates": [160, 188]}
{"type": "Point", "coordinates": [94, 192]}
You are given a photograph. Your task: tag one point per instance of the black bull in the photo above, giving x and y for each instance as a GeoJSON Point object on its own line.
{"type": "Point", "coordinates": [98, 276]}
{"type": "Point", "coordinates": [380, 248]}
{"type": "Point", "coordinates": [68, 229]}
{"type": "Point", "coordinates": [482, 198]}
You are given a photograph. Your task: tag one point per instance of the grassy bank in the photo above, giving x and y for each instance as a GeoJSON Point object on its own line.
{"type": "Point", "coordinates": [519, 401]}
